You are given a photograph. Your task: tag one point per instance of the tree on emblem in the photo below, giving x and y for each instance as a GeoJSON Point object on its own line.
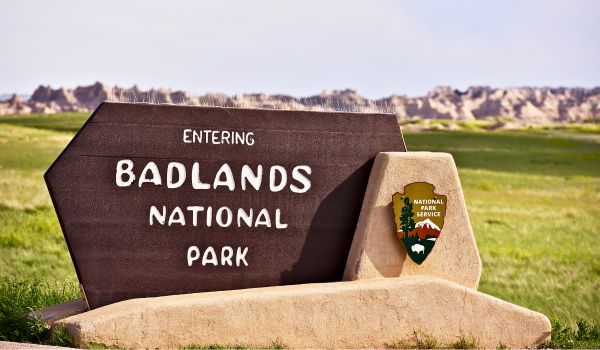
{"type": "Point", "coordinates": [406, 217]}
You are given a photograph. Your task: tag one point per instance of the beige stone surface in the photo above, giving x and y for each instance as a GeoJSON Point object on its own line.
{"type": "Point", "coordinates": [357, 314]}
{"type": "Point", "coordinates": [376, 251]}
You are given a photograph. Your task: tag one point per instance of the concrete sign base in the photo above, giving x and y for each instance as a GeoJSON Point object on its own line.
{"type": "Point", "coordinates": [358, 314]}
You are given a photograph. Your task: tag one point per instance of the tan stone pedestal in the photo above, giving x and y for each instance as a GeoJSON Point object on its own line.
{"type": "Point", "coordinates": [377, 253]}
{"type": "Point", "coordinates": [388, 298]}
{"type": "Point", "coordinates": [360, 314]}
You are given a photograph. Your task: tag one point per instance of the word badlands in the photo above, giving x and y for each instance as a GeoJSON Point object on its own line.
{"type": "Point", "coordinates": [176, 176]}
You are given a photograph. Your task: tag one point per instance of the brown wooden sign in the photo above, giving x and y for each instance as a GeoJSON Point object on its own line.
{"type": "Point", "coordinates": [156, 200]}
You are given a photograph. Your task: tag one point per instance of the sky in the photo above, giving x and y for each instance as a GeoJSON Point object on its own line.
{"type": "Point", "coordinates": [299, 48]}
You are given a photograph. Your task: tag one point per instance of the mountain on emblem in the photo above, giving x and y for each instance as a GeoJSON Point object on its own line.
{"type": "Point", "coordinates": [427, 228]}
{"type": "Point", "coordinates": [419, 215]}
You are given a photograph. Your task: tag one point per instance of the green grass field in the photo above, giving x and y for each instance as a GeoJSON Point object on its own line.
{"type": "Point", "coordinates": [534, 203]}
{"type": "Point", "coordinates": [533, 198]}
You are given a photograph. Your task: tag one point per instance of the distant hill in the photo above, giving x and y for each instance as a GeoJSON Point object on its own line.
{"type": "Point", "coordinates": [531, 105]}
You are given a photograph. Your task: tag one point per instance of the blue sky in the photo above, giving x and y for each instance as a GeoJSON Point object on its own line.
{"type": "Point", "coordinates": [299, 48]}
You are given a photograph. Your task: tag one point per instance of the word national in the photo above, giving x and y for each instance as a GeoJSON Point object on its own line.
{"type": "Point", "coordinates": [222, 217]}
{"type": "Point", "coordinates": [428, 201]}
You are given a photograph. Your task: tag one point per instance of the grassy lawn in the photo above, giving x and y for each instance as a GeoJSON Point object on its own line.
{"type": "Point", "coordinates": [534, 203]}
{"type": "Point", "coordinates": [533, 197]}
{"type": "Point", "coordinates": [31, 242]}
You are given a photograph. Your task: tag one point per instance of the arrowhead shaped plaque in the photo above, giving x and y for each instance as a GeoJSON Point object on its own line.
{"type": "Point", "coordinates": [419, 215]}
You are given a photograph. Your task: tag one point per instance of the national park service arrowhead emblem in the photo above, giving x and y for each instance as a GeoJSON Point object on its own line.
{"type": "Point", "coordinates": [419, 214]}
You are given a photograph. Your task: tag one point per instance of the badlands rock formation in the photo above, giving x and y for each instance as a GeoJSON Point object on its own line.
{"type": "Point", "coordinates": [525, 104]}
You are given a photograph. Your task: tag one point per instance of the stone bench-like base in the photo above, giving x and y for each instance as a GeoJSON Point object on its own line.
{"type": "Point", "coordinates": [357, 314]}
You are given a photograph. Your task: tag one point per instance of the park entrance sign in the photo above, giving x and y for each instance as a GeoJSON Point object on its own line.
{"type": "Point", "coordinates": [156, 200]}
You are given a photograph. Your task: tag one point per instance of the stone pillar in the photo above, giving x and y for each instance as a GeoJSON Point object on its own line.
{"type": "Point", "coordinates": [377, 252]}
